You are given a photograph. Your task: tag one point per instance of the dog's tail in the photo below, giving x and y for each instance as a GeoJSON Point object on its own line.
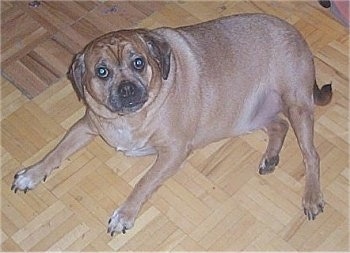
{"type": "Point", "coordinates": [324, 95]}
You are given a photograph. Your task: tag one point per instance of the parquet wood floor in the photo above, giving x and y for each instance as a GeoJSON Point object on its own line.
{"type": "Point", "coordinates": [217, 201]}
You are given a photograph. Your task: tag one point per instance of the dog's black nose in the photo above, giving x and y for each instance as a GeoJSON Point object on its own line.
{"type": "Point", "coordinates": [127, 96]}
{"type": "Point", "coordinates": [127, 89]}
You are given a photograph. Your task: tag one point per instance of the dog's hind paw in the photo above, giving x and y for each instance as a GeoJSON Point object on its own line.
{"type": "Point", "coordinates": [267, 165]}
{"type": "Point", "coordinates": [313, 203]}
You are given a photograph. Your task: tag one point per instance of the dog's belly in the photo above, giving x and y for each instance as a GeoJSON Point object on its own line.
{"type": "Point", "coordinates": [258, 112]}
{"type": "Point", "coordinates": [141, 152]}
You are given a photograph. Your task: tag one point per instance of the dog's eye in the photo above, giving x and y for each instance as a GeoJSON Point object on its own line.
{"type": "Point", "coordinates": [102, 72]}
{"type": "Point", "coordinates": [139, 63]}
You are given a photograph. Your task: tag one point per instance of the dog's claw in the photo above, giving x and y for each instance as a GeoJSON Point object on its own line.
{"type": "Point", "coordinates": [313, 216]}
{"type": "Point", "coordinates": [109, 230]}
{"type": "Point", "coordinates": [321, 208]}
{"type": "Point", "coordinates": [44, 179]}
{"type": "Point", "coordinates": [15, 189]}
{"type": "Point", "coordinates": [310, 215]}
{"type": "Point", "coordinates": [19, 173]}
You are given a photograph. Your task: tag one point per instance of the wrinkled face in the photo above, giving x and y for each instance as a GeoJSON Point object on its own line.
{"type": "Point", "coordinates": [119, 70]}
{"type": "Point", "coordinates": [118, 74]}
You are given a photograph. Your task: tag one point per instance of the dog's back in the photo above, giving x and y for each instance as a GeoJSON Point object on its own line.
{"type": "Point", "coordinates": [258, 59]}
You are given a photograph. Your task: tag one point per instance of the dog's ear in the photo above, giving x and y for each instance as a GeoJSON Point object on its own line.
{"type": "Point", "coordinates": [76, 73]}
{"type": "Point", "coordinates": [160, 50]}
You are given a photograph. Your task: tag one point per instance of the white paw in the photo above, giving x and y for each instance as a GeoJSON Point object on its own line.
{"type": "Point", "coordinates": [120, 221]}
{"type": "Point", "coordinates": [26, 179]}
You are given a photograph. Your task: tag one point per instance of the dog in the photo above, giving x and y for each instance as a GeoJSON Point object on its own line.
{"type": "Point", "coordinates": [169, 91]}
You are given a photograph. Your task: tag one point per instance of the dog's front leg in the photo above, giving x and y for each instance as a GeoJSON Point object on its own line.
{"type": "Point", "coordinates": [79, 135]}
{"type": "Point", "coordinates": [167, 164]}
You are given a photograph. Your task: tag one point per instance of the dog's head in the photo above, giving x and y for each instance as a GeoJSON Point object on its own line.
{"type": "Point", "coordinates": [121, 71]}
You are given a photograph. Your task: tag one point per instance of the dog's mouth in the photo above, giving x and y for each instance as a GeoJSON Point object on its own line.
{"type": "Point", "coordinates": [127, 97]}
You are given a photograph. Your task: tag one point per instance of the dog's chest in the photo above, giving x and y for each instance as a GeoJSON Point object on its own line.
{"type": "Point", "coordinates": [126, 139]}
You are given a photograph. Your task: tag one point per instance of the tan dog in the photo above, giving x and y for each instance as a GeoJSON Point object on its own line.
{"type": "Point", "coordinates": [169, 91]}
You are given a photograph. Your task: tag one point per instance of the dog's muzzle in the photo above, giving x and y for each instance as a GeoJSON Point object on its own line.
{"type": "Point", "coordinates": [127, 97]}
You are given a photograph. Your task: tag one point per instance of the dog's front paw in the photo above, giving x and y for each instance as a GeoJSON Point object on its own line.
{"type": "Point", "coordinates": [121, 220]}
{"type": "Point", "coordinates": [27, 179]}
{"type": "Point", "coordinates": [313, 203]}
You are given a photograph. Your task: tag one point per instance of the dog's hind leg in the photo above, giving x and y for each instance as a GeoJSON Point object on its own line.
{"type": "Point", "coordinates": [276, 131]}
{"type": "Point", "coordinates": [302, 121]}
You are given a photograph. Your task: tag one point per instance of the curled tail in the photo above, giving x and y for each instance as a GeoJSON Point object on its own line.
{"type": "Point", "coordinates": [324, 95]}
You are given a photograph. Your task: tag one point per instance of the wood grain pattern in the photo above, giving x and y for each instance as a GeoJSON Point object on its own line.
{"type": "Point", "coordinates": [217, 201]}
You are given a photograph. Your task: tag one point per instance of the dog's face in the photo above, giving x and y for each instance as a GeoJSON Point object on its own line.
{"type": "Point", "coordinates": [122, 70]}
